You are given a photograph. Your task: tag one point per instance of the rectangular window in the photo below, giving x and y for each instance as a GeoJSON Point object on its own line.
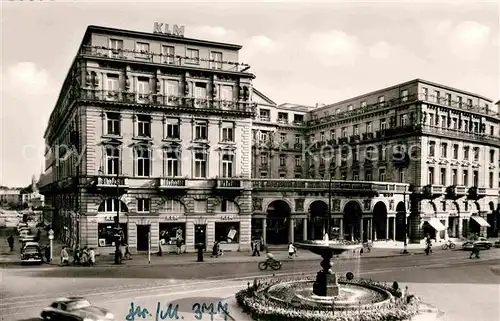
{"type": "Point", "coordinates": [282, 138]}
{"type": "Point", "coordinates": [459, 101]}
{"type": "Point", "coordinates": [363, 104]}
{"type": "Point", "coordinates": [322, 137]}
{"type": "Point", "coordinates": [437, 96]}
{"type": "Point", "coordinates": [344, 132]}
{"type": "Point", "coordinates": [356, 130]}
{"type": "Point", "coordinates": [193, 56]}
{"type": "Point", "coordinates": [143, 126]}
{"type": "Point", "coordinates": [173, 206]}
{"type": "Point", "coordinates": [172, 88]}
{"type": "Point", "coordinates": [143, 157]}
{"type": "Point", "coordinates": [469, 102]}
{"type": "Point", "coordinates": [297, 139]}
{"type": "Point", "coordinates": [425, 93]}
{"type": "Point", "coordinates": [355, 175]}
{"type": "Point", "coordinates": [172, 159]}
{"type": "Point", "coordinates": [492, 130]}
{"type": "Point", "coordinates": [443, 122]}
{"type": "Point", "coordinates": [404, 96]}
{"type": "Point", "coordinates": [227, 165]}
{"type": "Point", "coordinates": [476, 154]}
{"type": "Point", "coordinates": [173, 128]}
{"type": "Point", "coordinates": [448, 99]}
{"type": "Point", "coordinates": [226, 93]}
{"type": "Point", "coordinates": [368, 175]}
{"type": "Point", "coordinates": [168, 54]}
{"type": "Point", "coordinates": [200, 130]}
{"type": "Point", "coordinates": [216, 58]}
{"type": "Point", "coordinates": [404, 120]}
{"type": "Point", "coordinates": [432, 149]}
{"type": "Point", "coordinates": [455, 123]}
{"type": "Point", "coordinates": [200, 164]}
{"type": "Point", "coordinates": [142, 50]}
{"type": "Point", "coordinates": [349, 108]}
{"type": "Point", "coordinates": [381, 174]}
{"type": "Point", "coordinates": [112, 84]}
{"type": "Point", "coordinates": [491, 180]}
{"type": "Point", "coordinates": [369, 127]}
{"type": "Point", "coordinates": [143, 87]}
{"type": "Point", "coordinates": [444, 150]}
{"type": "Point", "coordinates": [430, 179]}
{"type": "Point", "coordinates": [431, 119]}
{"type": "Point", "coordinates": [106, 233]}
{"type": "Point", "coordinates": [466, 152]}
{"type": "Point", "coordinates": [492, 156]}
{"type": "Point", "coordinates": [298, 161]}
{"type": "Point", "coordinates": [454, 176]}
{"type": "Point", "coordinates": [442, 180]}
{"type": "Point", "coordinates": [143, 204]}
{"type": "Point", "coordinates": [112, 160]}
{"type": "Point", "coordinates": [475, 178]}
{"type": "Point", "coordinates": [263, 159]}
{"type": "Point", "coordinates": [227, 232]}
{"type": "Point", "coordinates": [455, 151]}
{"type": "Point", "coordinates": [381, 100]}
{"type": "Point", "coordinates": [466, 125]}
{"type": "Point", "coordinates": [227, 132]}
{"type": "Point", "coordinates": [113, 124]}
{"type": "Point", "coordinates": [401, 175]}
{"type": "Point", "coordinates": [465, 177]}
{"type": "Point", "coordinates": [116, 47]}
{"type": "Point", "coordinates": [383, 124]}
{"type": "Point", "coordinates": [282, 160]}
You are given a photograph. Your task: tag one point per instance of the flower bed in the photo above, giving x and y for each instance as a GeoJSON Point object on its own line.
{"type": "Point", "coordinates": [254, 301]}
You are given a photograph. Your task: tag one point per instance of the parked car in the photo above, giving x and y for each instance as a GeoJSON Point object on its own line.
{"type": "Point", "coordinates": [26, 236]}
{"type": "Point", "coordinates": [497, 244]}
{"type": "Point", "coordinates": [75, 308]}
{"type": "Point", "coordinates": [481, 243]}
{"type": "Point", "coordinates": [31, 253]}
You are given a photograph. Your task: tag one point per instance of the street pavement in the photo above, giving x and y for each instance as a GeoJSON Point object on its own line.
{"type": "Point", "coordinates": [462, 288]}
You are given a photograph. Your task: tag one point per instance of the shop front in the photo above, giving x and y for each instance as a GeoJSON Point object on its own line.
{"type": "Point", "coordinates": [227, 231]}
{"type": "Point", "coordinates": [172, 232]}
{"type": "Point", "coordinates": [106, 233]}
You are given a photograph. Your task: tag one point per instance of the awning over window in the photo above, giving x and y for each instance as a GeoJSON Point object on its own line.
{"type": "Point", "coordinates": [481, 221]}
{"type": "Point", "coordinates": [436, 224]}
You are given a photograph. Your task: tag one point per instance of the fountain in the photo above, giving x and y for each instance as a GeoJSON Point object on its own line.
{"type": "Point", "coordinates": [328, 297]}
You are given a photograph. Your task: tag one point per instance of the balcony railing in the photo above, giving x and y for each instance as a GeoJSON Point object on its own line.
{"type": "Point", "coordinates": [455, 133]}
{"type": "Point", "coordinates": [398, 101]}
{"type": "Point", "coordinates": [164, 59]}
{"type": "Point", "coordinates": [476, 192]}
{"type": "Point", "coordinates": [165, 101]}
{"type": "Point", "coordinates": [433, 191]}
{"type": "Point", "coordinates": [456, 191]}
{"type": "Point", "coordinates": [271, 184]}
{"type": "Point", "coordinates": [111, 181]}
{"type": "Point", "coordinates": [265, 118]}
{"type": "Point", "coordinates": [229, 183]}
{"type": "Point", "coordinates": [171, 183]}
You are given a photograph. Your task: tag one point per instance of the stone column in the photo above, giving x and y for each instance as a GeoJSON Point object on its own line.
{"type": "Point", "coordinates": [304, 229]}
{"type": "Point", "coordinates": [264, 230]}
{"type": "Point", "coordinates": [291, 230]}
{"type": "Point", "coordinates": [361, 227]}
{"type": "Point", "coordinates": [341, 234]}
{"type": "Point", "coordinates": [460, 227]}
{"type": "Point", "coordinates": [370, 230]}
{"type": "Point", "coordinates": [394, 228]}
{"type": "Point", "coordinates": [387, 225]}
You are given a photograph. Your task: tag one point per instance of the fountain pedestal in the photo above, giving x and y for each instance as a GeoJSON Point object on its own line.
{"type": "Point", "coordinates": [326, 281]}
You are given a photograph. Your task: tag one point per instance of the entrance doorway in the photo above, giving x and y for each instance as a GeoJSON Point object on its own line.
{"type": "Point", "coordinates": [278, 216]}
{"type": "Point", "coordinates": [352, 221]}
{"type": "Point", "coordinates": [401, 220]}
{"type": "Point", "coordinates": [143, 237]}
{"type": "Point", "coordinates": [200, 235]}
{"type": "Point", "coordinates": [380, 228]}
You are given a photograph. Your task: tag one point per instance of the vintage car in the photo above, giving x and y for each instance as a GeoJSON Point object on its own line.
{"type": "Point", "coordinates": [481, 243]}
{"type": "Point", "coordinates": [26, 236]}
{"type": "Point", "coordinates": [31, 253]}
{"type": "Point", "coordinates": [77, 309]}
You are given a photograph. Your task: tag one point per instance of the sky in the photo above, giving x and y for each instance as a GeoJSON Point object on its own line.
{"type": "Point", "coordinates": [301, 52]}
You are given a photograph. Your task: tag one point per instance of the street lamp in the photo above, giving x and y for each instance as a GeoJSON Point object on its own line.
{"type": "Point", "coordinates": [405, 250]}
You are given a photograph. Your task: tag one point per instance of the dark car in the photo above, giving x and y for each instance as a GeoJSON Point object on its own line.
{"type": "Point", "coordinates": [75, 309]}
{"type": "Point", "coordinates": [481, 243]}
{"type": "Point", "coordinates": [31, 253]}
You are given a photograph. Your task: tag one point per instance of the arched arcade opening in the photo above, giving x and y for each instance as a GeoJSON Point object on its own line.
{"type": "Point", "coordinates": [318, 218]}
{"type": "Point", "coordinates": [278, 217]}
{"type": "Point", "coordinates": [380, 222]}
{"type": "Point", "coordinates": [352, 221]}
{"type": "Point", "coordinates": [401, 227]}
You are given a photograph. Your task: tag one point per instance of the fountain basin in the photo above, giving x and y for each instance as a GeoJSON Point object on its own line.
{"type": "Point", "coordinates": [330, 248]}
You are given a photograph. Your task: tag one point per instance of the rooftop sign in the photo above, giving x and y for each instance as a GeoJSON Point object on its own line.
{"type": "Point", "coordinates": [164, 28]}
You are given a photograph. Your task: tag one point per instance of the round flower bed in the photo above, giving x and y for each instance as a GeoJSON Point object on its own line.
{"type": "Point", "coordinates": [255, 301]}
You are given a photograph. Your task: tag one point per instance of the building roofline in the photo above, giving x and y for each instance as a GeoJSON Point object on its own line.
{"type": "Point", "coordinates": [417, 80]}
{"type": "Point", "coordinates": [159, 36]}
{"type": "Point", "coordinates": [269, 100]}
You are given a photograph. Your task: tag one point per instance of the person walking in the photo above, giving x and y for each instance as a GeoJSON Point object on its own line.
{"type": "Point", "coordinates": [292, 251]}
{"type": "Point", "coordinates": [91, 257]}
{"type": "Point", "coordinates": [10, 240]}
{"type": "Point", "coordinates": [215, 249]}
{"type": "Point", "coordinates": [256, 247]}
{"type": "Point", "coordinates": [76, 255]}
{"type": "Point", "coordinates": [127, 254]}
{"type": "Point", "coordinates": [475, 252]}
{"type": "Point", "coordinates": [178, 242]}
{"type": "Point", "coordinates": [64, 256]}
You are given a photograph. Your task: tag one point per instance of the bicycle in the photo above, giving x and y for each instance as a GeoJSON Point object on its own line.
{"type": "Point", "coordinates": [448, 245]}
{"type": "Point", "coordinates": [275, 265]}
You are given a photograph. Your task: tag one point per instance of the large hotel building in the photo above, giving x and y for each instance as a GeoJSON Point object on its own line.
{"type": "Point", "coordinates": [169, 133]}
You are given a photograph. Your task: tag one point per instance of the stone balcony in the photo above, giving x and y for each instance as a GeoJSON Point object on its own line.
{"type": "Point", "coordinates": [362, 188]}
{"type": "Point", "coordinates": [111, 182]}
{"type": "Point", "coordinates": [456, 191]}
{"type": "Point", "coordinates": [228, 184]}
{"type": "Point", "coordinates": [475, 193]}
{"type": "Point", "coordinates": [432, 191]}
{"type": "Point", "coordinates": [172, 183]}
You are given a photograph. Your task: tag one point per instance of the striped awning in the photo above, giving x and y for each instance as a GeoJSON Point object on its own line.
{"type": "Point", "coordinates": [435, 223]}
{"type": "Point", "coordinates": [481, 221]}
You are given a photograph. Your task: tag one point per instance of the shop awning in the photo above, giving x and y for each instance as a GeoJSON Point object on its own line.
{"type": "Point", "coordinates": [436, 224]}
{"type": "Point", "coordinates": [481, 221]}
